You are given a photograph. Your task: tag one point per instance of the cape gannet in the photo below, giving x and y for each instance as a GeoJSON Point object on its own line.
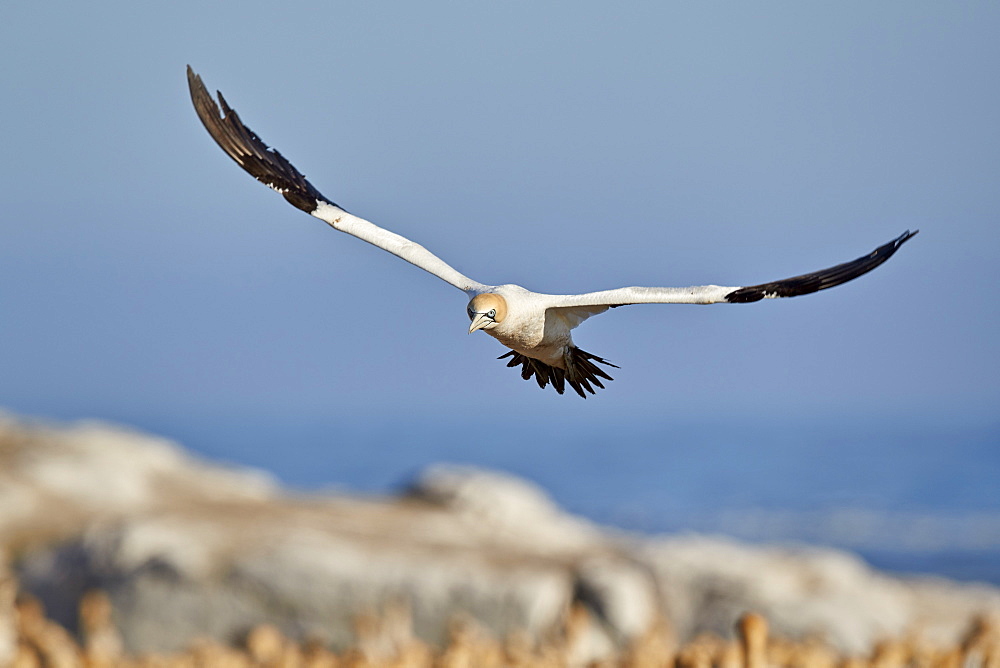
{"type": "Point", "coordinates": [535, 327]}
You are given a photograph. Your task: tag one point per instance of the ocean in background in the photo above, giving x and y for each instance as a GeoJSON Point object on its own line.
{"type": "Point", "coordinates": [906, 496]}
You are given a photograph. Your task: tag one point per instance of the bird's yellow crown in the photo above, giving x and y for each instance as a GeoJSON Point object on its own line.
{"type": "Point", "coordinates": [485, 303]}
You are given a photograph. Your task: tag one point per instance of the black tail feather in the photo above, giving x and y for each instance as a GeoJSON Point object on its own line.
{"type": "Point", "coordinates": [581, 372]}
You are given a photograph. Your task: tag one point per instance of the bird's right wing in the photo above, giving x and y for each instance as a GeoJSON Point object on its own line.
{"type": "Point", "coordinates": [577, 308]}
{"type": "Point", "coordinates": [273, 170]}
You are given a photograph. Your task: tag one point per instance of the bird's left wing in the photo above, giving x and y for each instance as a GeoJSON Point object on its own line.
{"type": "Point", "coordinates": [275, 171]}
{"type": "Point", "coordinates": [577, 308]}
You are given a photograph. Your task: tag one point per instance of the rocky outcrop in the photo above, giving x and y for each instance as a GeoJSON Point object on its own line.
{"type": "Point", "coordinates": [186, 549]}
{"type": "Point", "coordinates": [56, 481]}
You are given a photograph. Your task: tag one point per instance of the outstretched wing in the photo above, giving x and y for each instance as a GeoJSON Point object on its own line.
{"type": "Point", "coordinates": [273, 170]}
{"type": "Point", "coordinates": [577, 308]}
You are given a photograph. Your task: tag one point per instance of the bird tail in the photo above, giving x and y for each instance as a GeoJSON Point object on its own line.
{"type": "Point", "coordinates": [581, 372]}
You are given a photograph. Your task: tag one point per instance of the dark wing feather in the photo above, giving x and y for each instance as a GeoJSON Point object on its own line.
{"type": "Point", "coordinates": [245, 147]}
{"type": "Point", "coordinates": [820, 280]}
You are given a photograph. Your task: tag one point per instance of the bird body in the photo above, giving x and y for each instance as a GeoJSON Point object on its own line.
{"type": "Point", "coordinates": [537, 328]}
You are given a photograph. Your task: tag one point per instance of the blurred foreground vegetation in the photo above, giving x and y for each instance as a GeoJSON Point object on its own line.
{"type": "Point", "coordinates": [387, 640]}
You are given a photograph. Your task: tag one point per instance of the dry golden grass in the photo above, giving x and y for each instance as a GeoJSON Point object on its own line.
{"type": "Point", "coordinates": [387, 641]}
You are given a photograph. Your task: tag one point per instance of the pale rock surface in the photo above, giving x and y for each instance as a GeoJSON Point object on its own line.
{"type": "Point", "coordinates": [186, 549]}
{"type": "Point", "coordinates": [706, 583]}
{"type": "Point", "coordinates": [54, 481]}
{"type": "Point", "coordinates": [496, 506]}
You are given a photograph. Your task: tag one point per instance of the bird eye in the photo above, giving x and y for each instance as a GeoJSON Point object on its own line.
{"type": "Point", "coordinates": [492, 313]}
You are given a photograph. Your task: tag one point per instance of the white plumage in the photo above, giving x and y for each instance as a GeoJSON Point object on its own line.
{"type": "Point", "coordinates": [535, 327]}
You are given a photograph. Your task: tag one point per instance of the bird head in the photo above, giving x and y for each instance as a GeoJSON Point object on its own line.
{"type": "Point", "coordinates": [486, 311]}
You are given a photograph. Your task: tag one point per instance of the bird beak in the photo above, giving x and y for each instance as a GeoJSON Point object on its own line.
{"type": "Point", "coordinates": [480, 321]}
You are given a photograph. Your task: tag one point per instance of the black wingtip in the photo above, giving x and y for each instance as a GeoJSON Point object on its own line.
{"type": "Point", "coordinates": [820, 280]}
{"type": "Point", "coordinates": [248, 151]}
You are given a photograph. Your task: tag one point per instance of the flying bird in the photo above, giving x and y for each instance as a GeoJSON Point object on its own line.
{"type": "Point", "coordinates": [535, 327]}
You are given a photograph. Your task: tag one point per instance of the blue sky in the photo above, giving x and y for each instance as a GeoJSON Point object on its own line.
{"type": "Point", "coordinates": [566, 147]}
